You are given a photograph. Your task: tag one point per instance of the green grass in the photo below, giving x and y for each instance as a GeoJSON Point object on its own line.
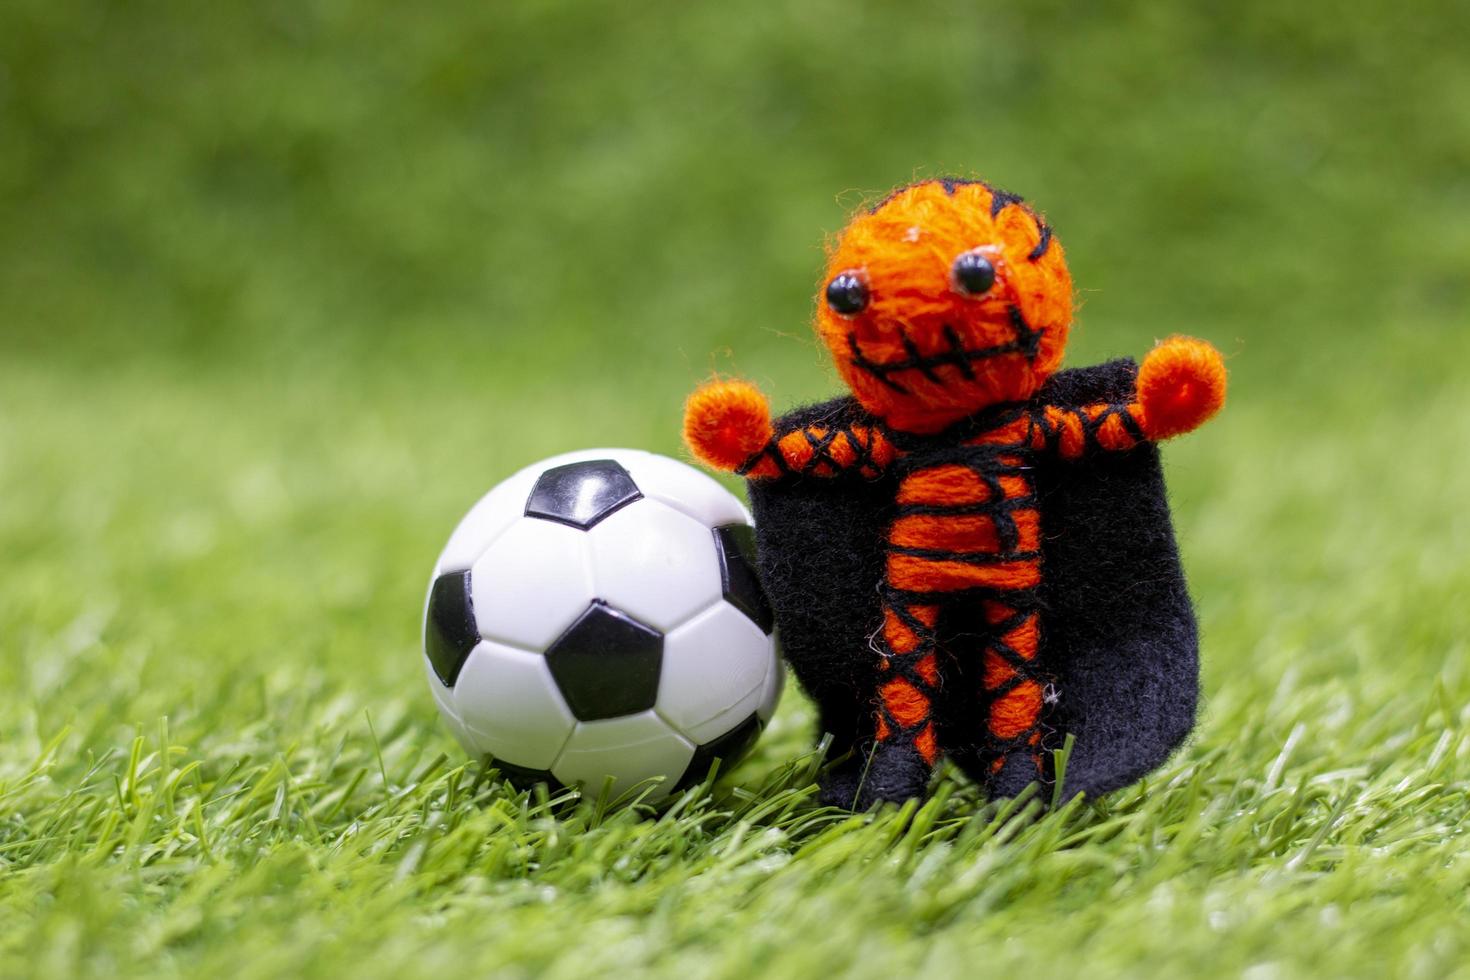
{"type": "Point", "coordinates": [281, 292]}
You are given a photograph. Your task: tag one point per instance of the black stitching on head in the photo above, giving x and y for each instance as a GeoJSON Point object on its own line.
{"type": "Point", "coordinates": [1028, 340]}
{"type": "Point", "coordinates": [925, 368]}
{"type": "Point", "coordinates": [1043, 244]}
{"type": "Point", "coordinates": [877, 370]}
{"type": "Point", "coordinates": [948, 183]}
{"type": "Point", "coordinates": [999, 199]}
{"type": "Point", "coordinates": [957, 348]}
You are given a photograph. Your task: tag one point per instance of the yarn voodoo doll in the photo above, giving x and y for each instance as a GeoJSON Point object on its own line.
{"type": "Point", "coordinates": [972, 555]}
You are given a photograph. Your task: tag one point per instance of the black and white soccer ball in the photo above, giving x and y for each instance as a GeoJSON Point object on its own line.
{"type": "Point", "coordinates": [598, 616]}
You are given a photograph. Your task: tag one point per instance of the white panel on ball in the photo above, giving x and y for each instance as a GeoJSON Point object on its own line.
{"type": "Point", "coordinates": [714, 672]}
{"type": "Point", "coordinates": [486, 521]}
{"type": "Point", "coordinates": [444, 700]}
{"type": "Point", "coordinates": [655, 564]}
{"type": "Point", "coordinates": [771, 691]}
{"type": "Point", "coordinates": [511, 707]}
{"type": "Point", "coordinates": [630, 750]}
{"type": "Point", "coordinates": [532, 583]}
{"type": "Point", "coordinates": [686, 489]}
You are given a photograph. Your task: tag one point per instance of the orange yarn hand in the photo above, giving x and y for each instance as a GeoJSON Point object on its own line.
{"type": "Point", "coordinates": [726, 423]}
{"type": "Point", "coordinates": [1181, 383]}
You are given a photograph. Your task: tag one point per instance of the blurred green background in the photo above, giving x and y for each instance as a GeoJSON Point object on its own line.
{"type": "Point", "coordinates": [284, 286]}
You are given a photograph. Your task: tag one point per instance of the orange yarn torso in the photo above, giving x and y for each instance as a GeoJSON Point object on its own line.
{"type": "Point", "coordinates": [966, 522]}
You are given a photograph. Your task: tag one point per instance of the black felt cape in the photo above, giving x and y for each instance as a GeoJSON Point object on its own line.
{"type": "Point", "coordinates": [1118, 631]}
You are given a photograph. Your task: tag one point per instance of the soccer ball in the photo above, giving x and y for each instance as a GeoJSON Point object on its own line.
{"type": "Point", "coordinates": [597, 616]}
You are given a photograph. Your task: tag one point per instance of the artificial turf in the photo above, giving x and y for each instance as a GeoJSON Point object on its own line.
{"type": "Point", "coordinates": [283, 290]}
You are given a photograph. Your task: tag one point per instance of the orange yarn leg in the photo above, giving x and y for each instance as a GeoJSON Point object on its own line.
{"type": "Point", "coordinates": [1014, 688]}
{"type": "Point", "coordinates": [909, 679]}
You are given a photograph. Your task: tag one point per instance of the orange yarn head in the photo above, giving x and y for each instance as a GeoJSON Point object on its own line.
{"type": "Point", "coordinates": [945, 298]}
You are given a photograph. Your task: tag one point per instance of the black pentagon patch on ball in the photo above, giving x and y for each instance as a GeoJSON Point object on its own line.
{"type": "Point", "coordinates": [523, 778]}
{"type": "Point", "coordinates": [742, 586]}
{"type": "Point", "coordinates": [581, 494]}
{"type": "Point", "coordinates": [607, 664]}
{"type": "Point", "coordinates": [450, 632]}
{"type": "Point", "coordinates": [729, 748]}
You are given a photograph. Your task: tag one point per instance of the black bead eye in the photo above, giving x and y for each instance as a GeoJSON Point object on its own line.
{"type": "Point", "coordinates": [847, 294]}
{"type": "Point", "coordinates": [973, 273]}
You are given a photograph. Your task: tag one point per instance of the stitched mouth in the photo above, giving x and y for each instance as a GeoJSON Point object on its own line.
{"type": "Point", "coordinates": [1027, 341]}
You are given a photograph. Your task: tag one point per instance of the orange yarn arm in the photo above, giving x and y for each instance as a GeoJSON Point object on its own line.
{"type": "Point", "coordinates": [1181, 384]}
{"type": "Point", "coordinates": [727, 425]}
{"type": "Point", "coordinates": [1074, 431]}
{"type": "Point", "coordinates": [818, 450]}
